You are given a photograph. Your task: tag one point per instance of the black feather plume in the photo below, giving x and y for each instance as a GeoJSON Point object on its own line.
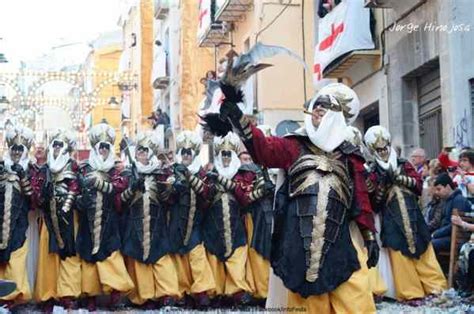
{"type": "Point", "coordinates": [214, 124]}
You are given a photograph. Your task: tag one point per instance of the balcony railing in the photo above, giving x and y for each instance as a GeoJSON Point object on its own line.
{"type": "Point", "coordinates": [231, 10]}
{"type": "Point", "coordinates": [162, 9]}
{"type": "Point", "coordinates": [341, 68]}
{"type": "Point", "coordinates": [216, 34]}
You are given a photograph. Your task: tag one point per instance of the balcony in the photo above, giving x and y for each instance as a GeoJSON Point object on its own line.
{"type": "Point", "coordinates": [379, 4]}
{"type": "Point", "coordinates": [231, 10]}
{"type": "Point", "coordinates": [160, 72]}
{"type": "Point", "coordinates": [355, 63]}
{"type": "Point", "coordinates": [216, 34]}
{"type": "Point", "coordinates": [162, 9]}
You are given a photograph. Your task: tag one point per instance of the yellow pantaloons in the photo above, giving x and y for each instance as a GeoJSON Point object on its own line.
{"type": "Point", "coordinates": [153, 281]}
{"type": "Point", "coordinates": [15, 270]}
{"type": "Point", "coordinates": [106, 276]}
{"type": "Point", "coordinates": [230, 276]}
{"type": "Point", "coordinates": [56, 278]}
{"type": "Point", "coordinates": [194, 272]}
{"type": "Point", "coordinates": [259, 267]}
{"type": "Point", "coordinates": [353, 296]}
{"type": "Point", "coordinates": [377, 284]}
{"type": "Point", "coordinates": [415, 278]}
{"type": "Point", "coordinates": [47, 268]}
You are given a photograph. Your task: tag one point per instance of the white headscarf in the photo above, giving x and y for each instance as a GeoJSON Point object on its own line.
{"type": "Point", "coordinates": [229, 171]}
{"type": "Point", "coordinates": [332, 131]}
{"type": "Point", "coordinates": [97, 162]}
{"type": "Point", "coordinates": [371, 136]}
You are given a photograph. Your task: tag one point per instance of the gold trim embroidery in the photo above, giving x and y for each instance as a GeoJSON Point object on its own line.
{"type": "Point", "coordinates": [396, 191]}
{"type": "Point", "coordinates": [7, 215]}
{"type": "Point", "coordinates": [227, 225]}
{"type": "Point", "coordinates": [192, 212]}
{"type": "Point", "coordinates": [55, 222]}
{"type": "Point", "coordinates": [97, 222]}
{"type": "Point", "coordinates": [319, 226]}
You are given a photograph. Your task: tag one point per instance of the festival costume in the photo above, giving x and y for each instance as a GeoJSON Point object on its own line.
{"type": "Point", "coordinates": [314, 250]}
{"type": "Point", "coordinates": [15, 197]}
{"type": "Point", "coordinates": [254, 192]}
{"type": "Point", "coordinates": [223, 229]}
{"type": "Point", "coordinates": [59, 266]}
{"type": "Point", "coordinates": [190, 201]}
{"type": "Point", "coordinates": [98, 239]}
{"type": "Point", "coordinates": [145, 239]}
{"type": "Point", "coordinates": [396, 186]}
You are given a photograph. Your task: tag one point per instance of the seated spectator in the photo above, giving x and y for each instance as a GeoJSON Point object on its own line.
{"type": "Point", "coordinates": [465, 274]}
{"type": "Point", "coordinates": [434, 209]}
{"type": "Point", "coordinates": [446, 190]}
{"type": "Point", "coordinates": [465, 177]}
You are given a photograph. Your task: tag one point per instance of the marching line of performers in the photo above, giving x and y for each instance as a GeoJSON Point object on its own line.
{"type": "Point", "coordinates": [158, 233]}
{"type": "Point", "coordinates": [154, 232]}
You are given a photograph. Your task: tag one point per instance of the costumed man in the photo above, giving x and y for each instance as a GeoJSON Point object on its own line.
{"type": "Point", "coordinates": [322, 209]}
{"type": "Point", "coordinates": [254, 191]}
{"type": "Point", "coordinates": [223, 228]}
{"type": "Point", "coordinates": [145, 240]}
{"type": "Point", "coordinates": [98, 239]}
{"type": "Point", "coordinates": [59, 266]}
{"type": "Point", "coordinates": [397, 185]}
{"type": "Point", "coordinates": [381, 280]}
{"type": "Point", "coordinates": [190, 200]}
{"type": "Point", "coordinates": [15, 202]}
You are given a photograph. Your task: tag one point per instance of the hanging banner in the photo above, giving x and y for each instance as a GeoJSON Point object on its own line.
{"type": "Point", "coordinates": [205, 18]}
{"type": "Point", "coordinates": [343, 29]}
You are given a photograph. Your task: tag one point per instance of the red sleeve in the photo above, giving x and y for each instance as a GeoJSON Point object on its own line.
{"type": "Point", "coordinates": [120, 184]}
{"type": "Point", "coordinates": [411, 172]}
{"type": "Point", "coordinates": [445, 162]}
{"type": "Point", "coordinates": [273, 151]}
{"type": "Point", "coordinates": [207, 191]}
{"type": "Point", "coordinates": [36, 180]}
{"type": "Point", "coordinates": [243, 187]}
{"type": "Point", "coordinates": [365, 218]}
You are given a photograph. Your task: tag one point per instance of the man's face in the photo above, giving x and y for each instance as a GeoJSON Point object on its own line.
{"type": "Point", "coordinates": [318, 114]}
{"type": "Point", "coordinates": [40, 152]}
{"type": "Point", "coordinates": [104, 150]}
{"type": "Point", "coordinates": [383, 151]}
{"type": "Point", "coordinates": [142, 155]}
{"type": "Point", "coordinates": [57, 146]}
{"type": "Point", "coordinates": [186, 156]}
{"type": "Point", "coordinates": [245, 159]}
{"type": "Point", "coordinates": [17, 152]}
{"type": "Point", "coordinates": [226, 158]}
{"type": "Point", "coordinates": [417, 159]}
{"type": "Point", "coordinates": [442, 192]}
{"type": "Point", "coordinates": [464, 164]}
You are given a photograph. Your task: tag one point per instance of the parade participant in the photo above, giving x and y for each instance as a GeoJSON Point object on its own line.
{"type": "Point", "coordinates": [223, 229]}
{"type": "Point", "coordinates": [59, 267]}
{"type": "Point", "coordinates": [316, 250]}
{"type": "Point", "coordinates": [254, 191]}
{"type": "Point", "coordinates": [397, 185]}
{"type": "Point", "coordinates": [190, 201]}
{"type": "Point", "coordinates": [381, 280]}
{"type": "Point", "coordinates": [98, 239]}
{"type": "Point", "coordinates": [145, 238]}
{"type": "Point", "coordinates": [15, 193]}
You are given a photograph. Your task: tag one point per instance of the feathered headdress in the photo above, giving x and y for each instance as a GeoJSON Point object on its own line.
{"type": "Point", "coordinates": [189, 139]}
{"type": "Point", "coordinates": [229, 142]}
{"type": "Point", "coordinates": [20, 135]}
{"type": "Point", "coordinates": [67, 137]}
{"type": "Point", "coordinates": [101, 132]}
{"type": "Point", "coordinates": [150, 140]}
